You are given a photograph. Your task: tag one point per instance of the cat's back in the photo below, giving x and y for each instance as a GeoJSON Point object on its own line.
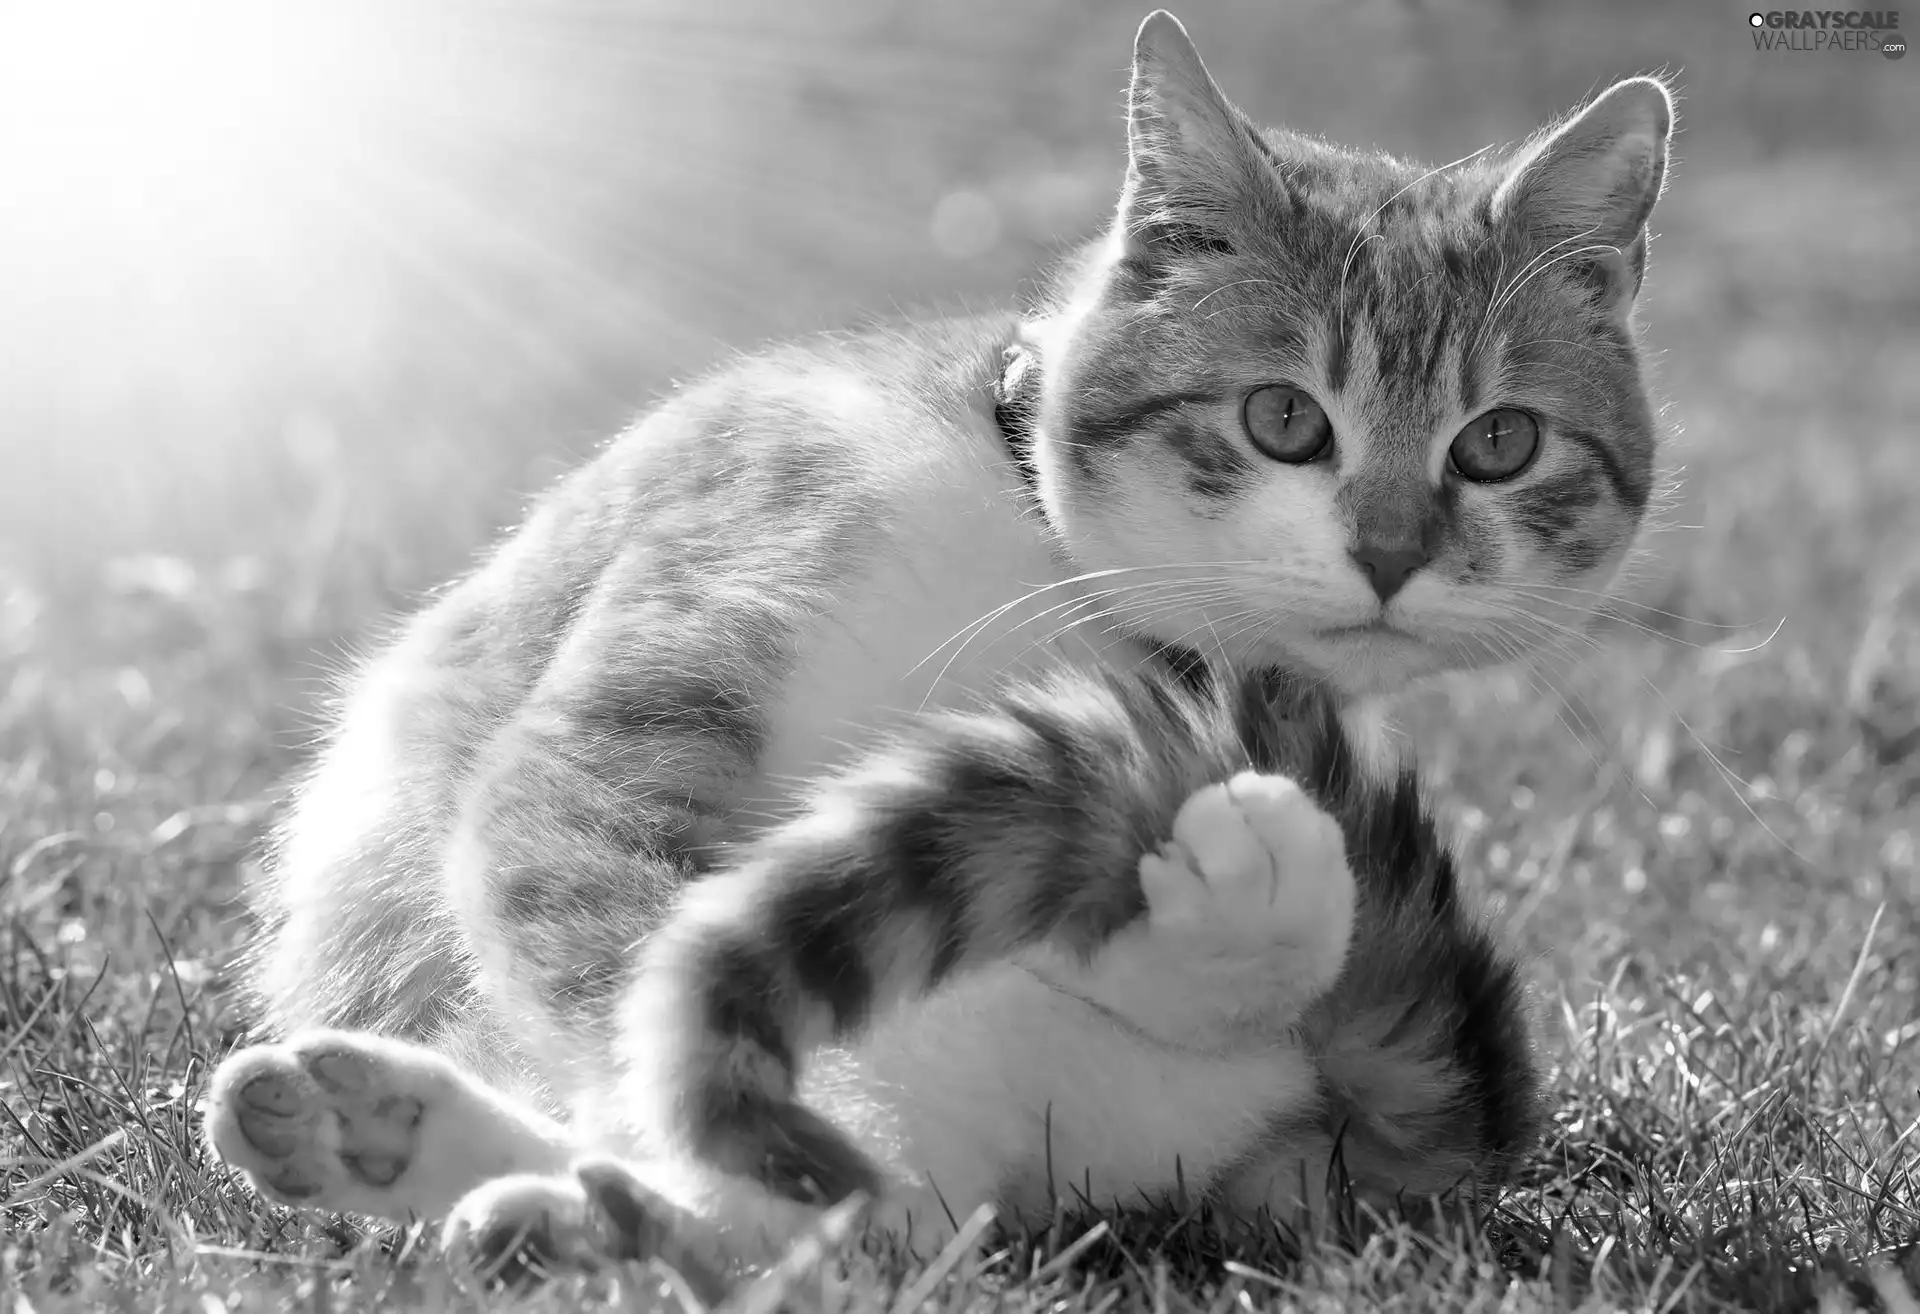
{"type": "Point", "coordinates": [776, 473]}
{"type": "Point", "coordinates": [772, 519]}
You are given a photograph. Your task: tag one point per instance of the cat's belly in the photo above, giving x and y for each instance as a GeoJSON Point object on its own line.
{"type": "Point", "coordinates": [965, 591]}
{"type": "Point", "coordinates": [1000, 1088]}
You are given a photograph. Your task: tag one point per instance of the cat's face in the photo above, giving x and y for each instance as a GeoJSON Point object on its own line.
{"type": "Point", "coordinates": [1344, 412]}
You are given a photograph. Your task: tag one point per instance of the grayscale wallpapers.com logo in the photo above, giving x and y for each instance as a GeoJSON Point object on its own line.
{"type": "Point", "coordinates": [1829, 29]}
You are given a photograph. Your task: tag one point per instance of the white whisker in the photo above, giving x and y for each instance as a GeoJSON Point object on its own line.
{"type": "Point", "coordinates": [1238, 282]}
{"type": "Point", "coordinates": [1340, 300]}
{"type": "Point", "coordinates": [1504, 295]}
{"type": "Point", "coordinates": [967, 632]}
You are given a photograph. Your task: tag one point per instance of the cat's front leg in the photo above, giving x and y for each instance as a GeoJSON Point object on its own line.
{"type": "Point", "coordinates": [1250, 907]}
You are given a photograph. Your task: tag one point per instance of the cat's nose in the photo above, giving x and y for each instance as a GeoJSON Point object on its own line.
{"type": "Point", "coordinates": [1387, 566]}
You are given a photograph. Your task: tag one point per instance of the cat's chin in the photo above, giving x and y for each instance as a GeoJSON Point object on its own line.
{"type": "Point", "coordinates": [1375, 665]}
{"type": "Point", "coordinates": [1361, 661]}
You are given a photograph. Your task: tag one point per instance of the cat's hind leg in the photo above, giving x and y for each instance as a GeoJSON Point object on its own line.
{"type": "Point", "coordinates": [361, 1124]}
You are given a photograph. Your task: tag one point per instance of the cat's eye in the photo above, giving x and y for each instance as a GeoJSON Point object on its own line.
{"type": "Point", "coordinates": [1496, 446]}
{"type": "Point", "coordinates": [1286, 424]}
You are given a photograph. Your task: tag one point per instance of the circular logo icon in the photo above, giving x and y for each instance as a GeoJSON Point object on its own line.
{"type": "Point", "coordinates": [1756, 20]}
{"type": "Point", "coordinates": [1893, 45]}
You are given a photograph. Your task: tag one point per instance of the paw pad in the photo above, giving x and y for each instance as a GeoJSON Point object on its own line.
{"type": "Point", "coordinates": [316, 1121]}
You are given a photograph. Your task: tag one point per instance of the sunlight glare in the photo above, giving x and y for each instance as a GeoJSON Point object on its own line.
{"type": "Point", "coordinates": [113, 112]}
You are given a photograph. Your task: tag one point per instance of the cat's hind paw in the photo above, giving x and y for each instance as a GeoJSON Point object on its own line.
{"type": "Point", "coordinates": [1253, 863]}
{"type": "Point", "coordinates": [361, 1124]}
{"type": "Point", "coordinates": [517, 1229]}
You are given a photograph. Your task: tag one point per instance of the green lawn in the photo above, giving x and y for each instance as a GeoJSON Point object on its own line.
{"type": "Point", "coordinates": [1717, 883]}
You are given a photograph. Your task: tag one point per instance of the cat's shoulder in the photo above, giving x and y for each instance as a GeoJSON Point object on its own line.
{"type": "Point", "coordinates": [817, 386]}
{"type": "Point", "coordinates": [801, 451]}
{"type": "Point", "coordinates": [805, 424]}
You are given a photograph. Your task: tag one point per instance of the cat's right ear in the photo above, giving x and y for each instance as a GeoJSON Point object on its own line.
{"type": "Point", "coordinates": [1186, 152]}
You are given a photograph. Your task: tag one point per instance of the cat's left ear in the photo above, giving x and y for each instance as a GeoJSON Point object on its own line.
{"type": "Point", "coordinates": [1186, 152]}
{"type": "Point", "coordinates": [1586, 189]}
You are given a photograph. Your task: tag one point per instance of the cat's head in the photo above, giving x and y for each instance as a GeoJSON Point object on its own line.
{"type": "Point", "coordinates": [1330, 409]}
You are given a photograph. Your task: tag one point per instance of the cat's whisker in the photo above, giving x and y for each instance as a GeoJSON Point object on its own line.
{"type": "Point", "coordinates": [967, 633]}
{"type": "Point", "coordinates": [1586, 347]}
{"type": "Point", "coordinates": [1361, 236]}
{"type": "Point", "coordinates": [1180, 597]}
{"type": "Point", "coordinates": [1238, 282]}
{"type": "Point", "coordinates": [1737, 784]}
{"type": "Point", "coordinates": [1558, 661]}
{"type": "Point", "coordinates": [1609, 602]}
{"type": "Point", "coordinates": [1574, 720]}
{"type": "Point", "coordinates": [1533, 658]}
{"type": "Point", "coordinates": [1562, 258]}
{"type": "Point", "coordinates": [1542, 627]}
{"type": "Point", "coordinates": [1504, 295]}
{"type": "Point", "coordinates": [1537, 664]}
{"type": "Point", "coordinates": [1555, 367]}
{"type": "Point", "coordinates": [1180, 591]}
{"type": "Point", "coordinates": [1243, 619]}
{"type": "Point", "coordinates": [1140, 616]}
{"type": "Point", "coordinates": [1085, 600]}
{"type": "Point", "coordinates": [1604, 612]}
{"type": "Point", "coordinates": [1520, 632]}
{"type": "Point", "coordinates": [1340, 297]}
{"type": "Point", "coordinates": [1522, 604]}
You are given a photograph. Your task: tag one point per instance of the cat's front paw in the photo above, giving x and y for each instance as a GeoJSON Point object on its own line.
{"type": "Point", "coordinates": [1255, 863]}
{"type": "Point", "coordinates": [518, 1229]}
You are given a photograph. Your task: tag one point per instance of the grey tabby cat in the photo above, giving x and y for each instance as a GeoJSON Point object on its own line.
{"type": "Point", "coordinates": [1111, 886]}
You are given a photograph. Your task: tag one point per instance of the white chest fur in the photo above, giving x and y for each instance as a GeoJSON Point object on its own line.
{"type": "Point", "coordinates": [967, 587]}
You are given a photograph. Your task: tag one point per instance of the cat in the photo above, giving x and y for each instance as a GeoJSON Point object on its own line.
{"type": "Point", "coordinates": [1113, 884]}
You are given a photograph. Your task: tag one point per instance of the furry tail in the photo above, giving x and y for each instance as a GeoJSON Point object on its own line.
{"type": "Point", "coordinates": [985, 833]}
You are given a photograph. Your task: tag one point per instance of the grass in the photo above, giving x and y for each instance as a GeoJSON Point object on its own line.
{"type": "Point", "coordinates": [1716, 880]}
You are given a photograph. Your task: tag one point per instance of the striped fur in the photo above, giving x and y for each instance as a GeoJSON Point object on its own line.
{"type": "Point", "coordinates": [988, 832]}
{"type": "Point", "coordinates": [567, 834]}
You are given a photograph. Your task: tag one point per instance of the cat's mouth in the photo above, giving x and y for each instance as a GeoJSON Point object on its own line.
{"type": "Point", "coordinates": [1379, 627]}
